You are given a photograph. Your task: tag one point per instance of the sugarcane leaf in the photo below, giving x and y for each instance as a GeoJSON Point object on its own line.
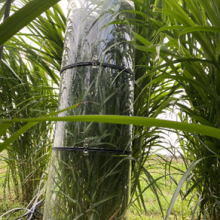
{"type": "Point", "coordinates": [179, 186]}
{"type": "Point", "coordinates": [194, 10]}
{"type": "Point", "coordinates": [140, 121]}
{"type": "Point", "coordinates": [137, 12]}
{"type": "Point", "coordinates": [2, 11]}
{"type": "Point", "coordinates": [210, 12]}
{"type": "Point", "coordinates": [174, 27]}
{"type": "Point", "coordinates": [22, 17]}
{"type": "Point", "coordinates": [181, 182]}
{"type": "Point", "coordinates": [202, 120]}
{"type": "Point", "coordinates": [142, 39]}
{"type": "Point", "coordinates": [199, 29]}
{"type": "Point", "coordinates": [26, 127]}
{"type": "Point", "coordinates": [4, 127]}
{"type": "Point", "coordinates": [163, 106]}
{"type": "Point", "coordinates": [167, 64]}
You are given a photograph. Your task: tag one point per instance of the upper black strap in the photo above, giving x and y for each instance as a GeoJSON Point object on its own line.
{"type": "Point", "coordinates": [96, 63]}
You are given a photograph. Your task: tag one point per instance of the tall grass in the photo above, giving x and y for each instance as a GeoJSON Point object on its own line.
{"type": "Point", "coordinates": [176, 65]}
{"type": "Point", "coordinates": [190, 56]}
{"type": "Point", "coordinates": [27, 91]}
{"type": "Point", "coordinates": [23, 94]}
{"type": "Point", "coordinates": [152, 96]}
{"type": "Point", "coordinates": [200, 40]}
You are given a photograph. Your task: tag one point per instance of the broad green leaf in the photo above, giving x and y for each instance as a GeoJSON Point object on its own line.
{"type": "Point", "coordinates": [199, 29]}
{"type": "Point", "coordinates": [163, 106]}
{"type": "Point", "coordinates": [178, 14]}
{"type": "Point", "coordinates": [16, 76]}
{"type": "Point", "coordinates": [2, 11]}
{"type": "Point", "coordinates": [137, 12]}
{"type": "Point", "coordinates": [179, 186]}
{"type": "Point", "coordinates": [181, 182]}
{"type": "Point", "coordinates": [6, 15]}
{"type": "Point", "coordinates": [3, 128]}
{"type": "Point", "coordinates": [157, 23]}
{"type": "Point", "coordinates": [194, 11]}
{"type": "Point", "coordinates": [210, 12]}
{"type": "Point", "coordinates": [174, 62]}
{"type": "Point", "coordinates": [217, 4]}
{"type": "Point", "coordinates": [199, 86]}
{"type": "Point", "coordinates": [148, 175]}
{"type": "Point", "coordinates": [175, 27]}
{"type": "Point", "coordinates": [212, 146]}
{"type": "Point", "coordinates": [22, 17]}
{"type": "Point", "coordinates": [203, 121]}
{"type": "Point", "coordinates": [141, 121]}
{"type": "Point", "coordinates": [142, 39]}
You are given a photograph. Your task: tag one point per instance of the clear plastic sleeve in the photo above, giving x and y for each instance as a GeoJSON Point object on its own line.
{"type": "Point", "coordinates": [94, 186]}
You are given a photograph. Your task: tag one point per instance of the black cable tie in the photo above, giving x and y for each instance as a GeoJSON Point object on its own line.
{"type": "Point", "coordinates": [96, 64]}
{"type": "Point", "coordinates": [100, 150]}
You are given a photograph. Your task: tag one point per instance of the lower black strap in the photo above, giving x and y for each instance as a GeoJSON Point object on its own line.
{"type": "Point", "coordinates": [95, 64]}
{"type": "Point", "coordinates": [100, 150]}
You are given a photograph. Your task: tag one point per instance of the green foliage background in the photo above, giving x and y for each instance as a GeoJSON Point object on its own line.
{"type": "Point", "coordinates": [176, 66]}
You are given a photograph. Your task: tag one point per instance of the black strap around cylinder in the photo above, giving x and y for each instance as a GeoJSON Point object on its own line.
{"type": "Point", "coordinates": [100, 150]}
{"type": "Point", "coordinates": [96, 64]}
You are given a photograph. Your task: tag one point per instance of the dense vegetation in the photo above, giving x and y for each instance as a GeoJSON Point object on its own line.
{"type": "Point", "coordinates": [177, 67]}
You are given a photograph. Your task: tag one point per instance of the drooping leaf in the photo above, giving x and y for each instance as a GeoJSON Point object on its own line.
{"type": "Point", "coordinates": [22, 17]}
{"type": "Point", "coordinates": [25, 128]}
{"type": "Point", "coordinates": [141, 121]}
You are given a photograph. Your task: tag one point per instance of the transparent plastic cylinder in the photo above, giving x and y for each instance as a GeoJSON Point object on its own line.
{"type": "Point", "coordinates": [94, 185]}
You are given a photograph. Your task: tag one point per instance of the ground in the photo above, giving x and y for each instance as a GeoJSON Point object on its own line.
{"type": "Point", "coordinates": [181, 210]}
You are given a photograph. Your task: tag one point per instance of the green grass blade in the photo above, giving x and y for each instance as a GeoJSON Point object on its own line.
{"type": "Point", "coordinates": [210, 12]}
{"type": "Point", "coordinates": [179, 186]}
{"type": "Point", "coordinates": [3, 128]}
{"type": "Point", "coordinates": [141, 121]}
{"type": "Point", "coordinates": [199, 29]}
{"type": "Point", "coordinates": [2, 11]}
{"type": "Point", "coordinates": [25, 128]}
{"type": "Point", "coordinates": [22, 17]}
